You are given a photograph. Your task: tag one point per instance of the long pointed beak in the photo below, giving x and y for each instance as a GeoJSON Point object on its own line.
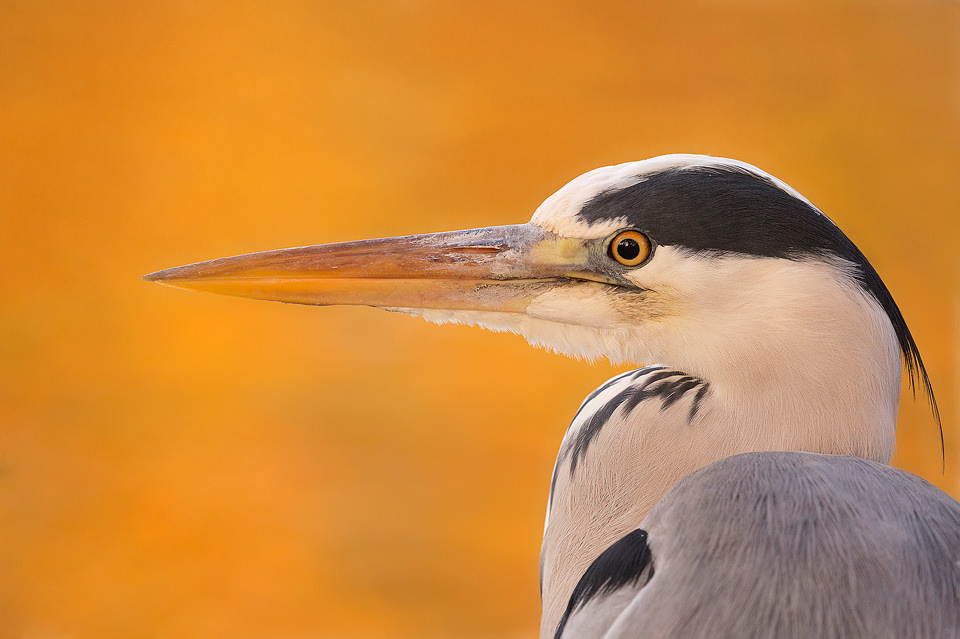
{"type": "Point", "coordinates": [499, 268]}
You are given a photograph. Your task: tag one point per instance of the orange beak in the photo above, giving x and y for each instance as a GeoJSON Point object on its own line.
{"type": "Point", "coordinates": [489, 269]}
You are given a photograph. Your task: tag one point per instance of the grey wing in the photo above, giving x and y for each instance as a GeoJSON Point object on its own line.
{"type": "Point", "coordinates": [792, 545]}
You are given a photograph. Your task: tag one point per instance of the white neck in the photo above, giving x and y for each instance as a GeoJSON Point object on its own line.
{"type": "Point", "coordinates": [796, 358]}
{"type": "Point", "coordinates": [796, 355]}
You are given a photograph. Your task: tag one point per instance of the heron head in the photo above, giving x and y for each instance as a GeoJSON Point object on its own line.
{"type": "Point", "coordinates": [701, 262]}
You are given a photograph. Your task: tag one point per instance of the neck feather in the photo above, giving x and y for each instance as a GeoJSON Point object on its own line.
{"type": "Point", "coordinates": [802, 359]}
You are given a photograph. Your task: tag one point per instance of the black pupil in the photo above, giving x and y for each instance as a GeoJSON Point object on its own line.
{"type": "Point", "coordinates": [628, 248]}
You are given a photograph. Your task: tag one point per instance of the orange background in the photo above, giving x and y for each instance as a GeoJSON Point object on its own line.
{"type": "Point", "coordinates": [185, 465]}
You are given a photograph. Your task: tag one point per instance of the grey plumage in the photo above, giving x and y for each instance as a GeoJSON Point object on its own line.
{"type": "Point", "coordinates": [791, 545]}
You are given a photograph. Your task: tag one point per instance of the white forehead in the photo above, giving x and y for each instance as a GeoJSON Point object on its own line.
{"type": "Point", "coordinates": [558, 213]}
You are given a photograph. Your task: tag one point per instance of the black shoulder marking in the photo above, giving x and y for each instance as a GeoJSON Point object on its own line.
{"type": "Point", "coordinates": [668, 385]}
{"type": "Point", "coordinates": [728, 209]}
{"type": "Point", "coordinates": [626, 562]}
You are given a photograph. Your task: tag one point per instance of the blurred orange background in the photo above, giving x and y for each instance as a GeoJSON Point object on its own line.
{"type": "Point", "coordinates": [185, 465]}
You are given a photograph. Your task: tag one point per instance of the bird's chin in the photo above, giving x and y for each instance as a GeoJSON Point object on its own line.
{"type": "Point", "coordinates": [618, 344]}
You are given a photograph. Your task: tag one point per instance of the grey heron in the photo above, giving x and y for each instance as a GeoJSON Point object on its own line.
{"type": "Point", "coordinates": [771, 332]}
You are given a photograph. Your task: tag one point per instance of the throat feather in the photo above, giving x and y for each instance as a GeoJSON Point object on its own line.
{"type": "Point", "coordinates": [632, 389]}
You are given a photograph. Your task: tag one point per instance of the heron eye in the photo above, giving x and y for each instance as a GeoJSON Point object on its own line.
{"type": "Point", "coordinates": [630, 248]}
